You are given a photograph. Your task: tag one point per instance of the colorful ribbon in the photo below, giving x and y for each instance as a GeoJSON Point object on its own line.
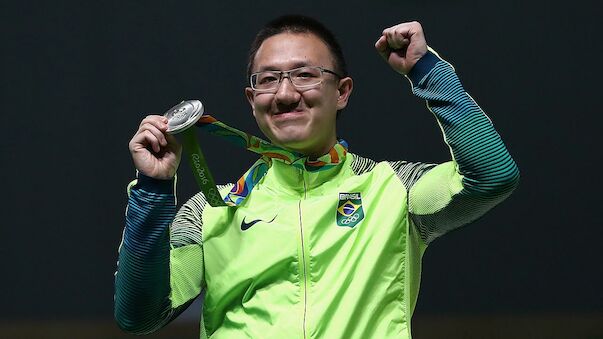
{"type": "Point", "coordinates": [268, 151]}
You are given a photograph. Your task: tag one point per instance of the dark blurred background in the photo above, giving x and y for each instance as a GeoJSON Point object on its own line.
{"type": "Point", "coordinates": [77, 77]}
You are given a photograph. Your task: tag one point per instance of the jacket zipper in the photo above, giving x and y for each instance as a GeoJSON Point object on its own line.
{"type": "Point", "coordinates": [303, 257]}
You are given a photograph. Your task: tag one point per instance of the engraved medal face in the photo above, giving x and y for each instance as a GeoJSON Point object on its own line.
{"type": "Point", "coordinates": [183, 115]}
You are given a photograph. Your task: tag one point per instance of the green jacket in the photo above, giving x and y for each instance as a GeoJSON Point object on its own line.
{"type": "Point", "coordinates": [327, 254]}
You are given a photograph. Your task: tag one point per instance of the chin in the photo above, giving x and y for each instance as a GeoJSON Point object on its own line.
{"type": "Point", "coordinates": [291, 136]}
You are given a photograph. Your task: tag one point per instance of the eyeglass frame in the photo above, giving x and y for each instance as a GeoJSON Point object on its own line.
{"type": "Point", "coordinates": [287, 74]}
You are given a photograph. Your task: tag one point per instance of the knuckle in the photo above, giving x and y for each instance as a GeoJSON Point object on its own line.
{"type": "Point", "coordinates": [148, 135]}
{"type": "Point", "coordinates": [150, 118]}
{"type": "Point", "coordinates": [143, 128]}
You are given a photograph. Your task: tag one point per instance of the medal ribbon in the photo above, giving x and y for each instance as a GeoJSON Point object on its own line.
{"type": "Point", "coordinates": [268, 151]}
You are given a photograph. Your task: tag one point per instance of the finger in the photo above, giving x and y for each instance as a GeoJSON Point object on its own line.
{"type": "Point", "coordinates": [405, 29]}
{"type": "Point", "coordinates": [144, 140]}
{"type": "Point", "coordinates": [397, 39]}
{"type": "Point", "coordinates": [151, 140]}
{"type": "Point", "coordinates": [382, 46]}
{"type": "Point", "coordinates": [410, 30]}
{"type": "Point", "coordinates": [158, 121]}
{"type": "Point", "coordinates": [401, 35]}
{"type": "Point", "coordinates": [160, 135]}
{"type": "Point", "coordinates": [402, 43]}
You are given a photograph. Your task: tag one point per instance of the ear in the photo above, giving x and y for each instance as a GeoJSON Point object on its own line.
{"type": "Point", "coordinates": [250, 95]}
{"type": "Point", "coordinates": [346, 85]}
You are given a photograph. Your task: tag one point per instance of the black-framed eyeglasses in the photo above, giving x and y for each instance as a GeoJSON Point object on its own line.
{"type": "Point", "coordinates": [302, 78]}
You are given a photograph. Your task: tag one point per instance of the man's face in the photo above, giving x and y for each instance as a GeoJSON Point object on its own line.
{"type": "Point", "coordinates": [301, 120]}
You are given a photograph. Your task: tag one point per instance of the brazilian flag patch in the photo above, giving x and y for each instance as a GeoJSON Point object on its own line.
{"type": "Point", "coordinates": [349, 211]}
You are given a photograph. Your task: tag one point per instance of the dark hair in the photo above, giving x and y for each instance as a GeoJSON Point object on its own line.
{"type": "Point", "coordinates": [299, 24]}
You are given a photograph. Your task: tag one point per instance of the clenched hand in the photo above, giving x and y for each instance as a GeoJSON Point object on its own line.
{"type": "Point", "coordinates": [402, 46]}
{"type": "Point", "coordinates": [155, 153]}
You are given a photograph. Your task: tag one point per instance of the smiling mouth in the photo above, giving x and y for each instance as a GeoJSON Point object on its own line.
{"type": "Point", "coordinates": [286, 113]}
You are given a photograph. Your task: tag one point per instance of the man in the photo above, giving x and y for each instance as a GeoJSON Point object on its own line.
{"type": "Point", "coordinates": [328, 246]}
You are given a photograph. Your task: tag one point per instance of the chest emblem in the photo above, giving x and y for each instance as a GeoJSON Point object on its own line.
{"type": "Point", "coordinates": [349, 210]}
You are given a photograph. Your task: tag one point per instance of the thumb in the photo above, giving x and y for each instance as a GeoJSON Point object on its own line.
{"type": "Point", "coordinates": [382, 47]}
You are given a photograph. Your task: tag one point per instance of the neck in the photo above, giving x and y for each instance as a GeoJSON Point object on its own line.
{"type": "Point", "coordinates": [313, 152]}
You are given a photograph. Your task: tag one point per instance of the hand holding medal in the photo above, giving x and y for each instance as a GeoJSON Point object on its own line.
{"type": "Point", "coordinates": [155, 153]}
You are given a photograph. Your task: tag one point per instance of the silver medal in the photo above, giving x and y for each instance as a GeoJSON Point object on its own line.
{"type": "Point", "coordinates": [183, 115]}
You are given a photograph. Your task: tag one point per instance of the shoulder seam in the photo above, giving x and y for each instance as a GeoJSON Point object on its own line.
{"type": "Point", "coordinates": [188, 223]}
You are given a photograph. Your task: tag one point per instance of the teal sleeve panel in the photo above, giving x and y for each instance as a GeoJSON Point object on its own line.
{"type": "Point", "coordinates": [482, 172]}
{"type": "Point", "coordinates": [142, 280]}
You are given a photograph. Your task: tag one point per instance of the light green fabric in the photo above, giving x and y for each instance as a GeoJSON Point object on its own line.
{"type": "Point", "coordinates": [302, 275]}
{"type": "Point", "coordinates": [186, 271]}
{"type": "Point", "coordinates": [434, 190]}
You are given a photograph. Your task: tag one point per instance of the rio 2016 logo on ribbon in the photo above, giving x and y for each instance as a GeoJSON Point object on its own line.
{"type": "Point", "coordinates": [349, 211]}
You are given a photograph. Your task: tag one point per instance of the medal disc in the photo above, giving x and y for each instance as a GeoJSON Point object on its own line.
{"type": "Point", "coordinates": [183, 115]}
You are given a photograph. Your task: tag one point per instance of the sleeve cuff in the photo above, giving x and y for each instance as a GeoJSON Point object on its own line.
{"type": "Point", "coordinates": [422, 67]}
{"type": "Point", "coordinates": [155, 185]}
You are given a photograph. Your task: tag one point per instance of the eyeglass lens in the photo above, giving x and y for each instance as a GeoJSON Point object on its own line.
{"type": "Point", "coordinates": [300, 77]}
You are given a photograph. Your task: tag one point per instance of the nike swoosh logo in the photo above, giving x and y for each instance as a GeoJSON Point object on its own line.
{"type": "Point", "coordinates": [246, 225]}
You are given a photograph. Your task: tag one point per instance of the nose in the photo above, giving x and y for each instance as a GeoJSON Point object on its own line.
{"type": "Point", "coordinates": [286, 93]}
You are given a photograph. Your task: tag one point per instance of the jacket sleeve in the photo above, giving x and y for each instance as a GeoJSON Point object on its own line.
{"type": "Point", "coordinates": [160, 265]}
{"type": "Point", "coordinates": [481, 174]}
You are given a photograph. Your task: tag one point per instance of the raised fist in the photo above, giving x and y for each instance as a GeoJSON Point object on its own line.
{"type": "Point", "coordinates": [402, 46]}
